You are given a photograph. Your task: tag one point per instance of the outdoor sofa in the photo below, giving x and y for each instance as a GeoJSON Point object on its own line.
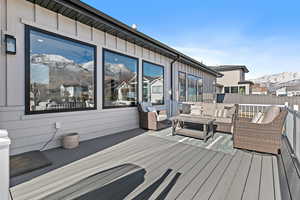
{"type": "Point", "coordinates": [225, 114]}
{"type": "Point", "coordinates": [262, 133]}
{"type": "Point", "coordinates": [150, 118]}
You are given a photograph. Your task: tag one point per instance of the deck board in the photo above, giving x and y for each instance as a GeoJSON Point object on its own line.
{"type": "Point", "coordinates": [172, 170]}
{"type": "Point", "coordinates": [266, 186]}
{"type": "Point", "coordinates": [200, 178]}
{"type": "Point", "coordinates": [237, 187]}
{"type": "Point", "coordinates": [207, 188]}
{"type": "Point", "coordinates": [251, 191]}
{"type": "Point", "coordinates": [224, 184]}
{"type": "Point", "coordinates": [192, 160]}
{"type": "Point", "coordinates": [189, 175]}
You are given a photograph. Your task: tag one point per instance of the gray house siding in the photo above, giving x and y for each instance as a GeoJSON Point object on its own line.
{"type": "Point", "coordinates": [30, 132]}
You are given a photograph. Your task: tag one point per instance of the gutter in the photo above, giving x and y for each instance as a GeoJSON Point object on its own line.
{"type": "Point", "coordinates": [172, 76]}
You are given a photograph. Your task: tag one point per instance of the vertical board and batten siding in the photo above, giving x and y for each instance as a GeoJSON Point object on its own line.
{"type": "Point", "coordinates": [30, 132]}
{"type": "Point", "coordinates": [2, 53]}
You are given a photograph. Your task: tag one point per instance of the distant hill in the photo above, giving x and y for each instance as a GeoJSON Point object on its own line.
{"type": "Point", "coordinates": [276, 81]}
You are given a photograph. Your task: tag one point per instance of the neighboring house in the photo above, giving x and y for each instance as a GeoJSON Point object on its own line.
{"type": "Point", "coordinates": [74, 90]}
{"type": "Point", "coordinates": [259, 90]}
{"type": "Point", "coordinates": [281, 92]}
{"type": "Point", "coordinates": [293, 91]}
{"type": "Point", "coordinates": [66, 40]}
{"type": "Point", "coordinates": [126, 91]}
{"type": "Point", "coordinates": [288, 91]}
{"type": "Point", "coordinates": [156, 90]}
{"type": "Point", "coordinates": [233, 79]}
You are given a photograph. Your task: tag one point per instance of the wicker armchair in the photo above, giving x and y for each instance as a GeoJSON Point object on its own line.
{"type": "Point", "coordinates": [261, 137]}
{"type": "Point", "coordinates": [152, 120]}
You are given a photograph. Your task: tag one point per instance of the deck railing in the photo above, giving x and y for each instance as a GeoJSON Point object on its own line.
{"type": "Point", "coordinates": [293, 132]}
{"type": "Point", "coordinates": [249, 110]}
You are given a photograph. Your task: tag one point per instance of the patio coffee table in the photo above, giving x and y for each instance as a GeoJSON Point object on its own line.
{"type": "Point", "coordinates": [178, 126]}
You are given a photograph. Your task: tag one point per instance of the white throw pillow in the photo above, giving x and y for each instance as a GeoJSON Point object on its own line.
{"type": "Point", "coordinates": [257, 118]}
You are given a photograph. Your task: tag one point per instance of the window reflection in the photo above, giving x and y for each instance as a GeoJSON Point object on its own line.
{"type": "Point", "coordinates": [61, 73]}
{"type": "Point", "coordinates": [195, 88]}
{"type": "Point", "coordinates": [153, 83]}
{"type": "Point", "coordinates": [120, 80]}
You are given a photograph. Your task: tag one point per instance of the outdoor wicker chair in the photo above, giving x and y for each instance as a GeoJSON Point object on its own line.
{"type": "Point", "coordinates": [152, 119]}
{"type": "Point", "coordinates": [261, 137]}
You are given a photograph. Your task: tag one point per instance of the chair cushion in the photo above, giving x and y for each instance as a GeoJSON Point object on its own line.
{"type": "Point", "coordinates": [270, 115]}
{"type": "Point", "coordinates": [257, 117]}
{"type": "Point", "coordinates": [145, 105]}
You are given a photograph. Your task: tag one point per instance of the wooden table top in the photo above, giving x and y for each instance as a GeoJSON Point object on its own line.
{"type": "Point", "coordinates": [193, 119]}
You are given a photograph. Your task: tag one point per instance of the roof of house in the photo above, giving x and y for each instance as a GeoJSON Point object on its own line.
{"type": "Point", "coordinates": [258, 88]}
{"type": "Point", "coordinates": [246, 82]}
{"type": "Point", "coordinates": [90, 16]}
{"type": "Point", "coordinates": [293, 88]}
{"type": "Point", "coordinates": [221, 68]}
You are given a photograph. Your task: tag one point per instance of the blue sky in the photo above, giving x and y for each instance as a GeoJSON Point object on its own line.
{"type": "Point", "coordinates": [264, 35]}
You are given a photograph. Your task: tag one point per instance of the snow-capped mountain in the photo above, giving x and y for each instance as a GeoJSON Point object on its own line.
{"type": "Point", "coordinates": [276, 81]}
{"type": "Point", "coordinates": [278, 78]}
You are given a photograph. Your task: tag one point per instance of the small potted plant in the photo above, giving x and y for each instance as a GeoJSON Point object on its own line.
{"type": "Point", "coordinates": [70, 141]}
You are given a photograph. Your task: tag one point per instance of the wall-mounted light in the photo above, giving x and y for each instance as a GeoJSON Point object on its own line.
{"type": "Point", "coordinates": [11, 46]}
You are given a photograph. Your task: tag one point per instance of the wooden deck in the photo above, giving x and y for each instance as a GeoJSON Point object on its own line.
{"type": "Point", "coordinates": [156, 168]}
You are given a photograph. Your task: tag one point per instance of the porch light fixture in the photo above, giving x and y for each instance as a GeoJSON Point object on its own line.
{"type": "Point", "coordinates": [11, 46]}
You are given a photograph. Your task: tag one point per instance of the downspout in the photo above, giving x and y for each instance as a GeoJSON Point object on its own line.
{"type": "Point", "coordinates": [172, 84]}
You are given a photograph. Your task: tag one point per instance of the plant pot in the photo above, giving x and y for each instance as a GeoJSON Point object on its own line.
{"type": "Point", "coordinates": [70, 141]}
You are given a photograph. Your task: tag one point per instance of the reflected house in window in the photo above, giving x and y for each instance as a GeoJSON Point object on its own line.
{"type": "Point", "coordinates": [153, 88]}
{"type": "Point", "coordinates": [153, 83]}
{"type": "Point", "coordinates": [73, 90]}
{"type": "Point", "coordinates": [126, 91]}
{"type": "Point", "coordinates": [120, 80]}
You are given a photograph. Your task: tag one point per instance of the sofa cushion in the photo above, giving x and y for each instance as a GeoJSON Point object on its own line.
{"type": "Point", "coordinates": [209, 109]}
{"type": "Point", "coordinates": [224, 120]}
{"type": "Point", "coordinates": [257, 118]}
{"type": "Point", "coordinates": [186, 108]}
{"type": "Point", "coordinates": [270, 115]}
{"type": "Point", "coordinates": [196, 110]}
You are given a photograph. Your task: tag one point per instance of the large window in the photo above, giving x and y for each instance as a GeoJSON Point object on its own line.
{"type": "Point", "coordinates": [153, 83]}
{"type": "Point", "coordinates": [182, 86]}
{"type": "Point", "coordinates": [234, 89]}
{"type": "Point", "coordinates": [120, 85]}
{"type": "Point", "coordinates": [60, 73]}
{"type": "Point", "coordinates": [227, 90]}
{"type": "Point", "coordinates": [195, 88]}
